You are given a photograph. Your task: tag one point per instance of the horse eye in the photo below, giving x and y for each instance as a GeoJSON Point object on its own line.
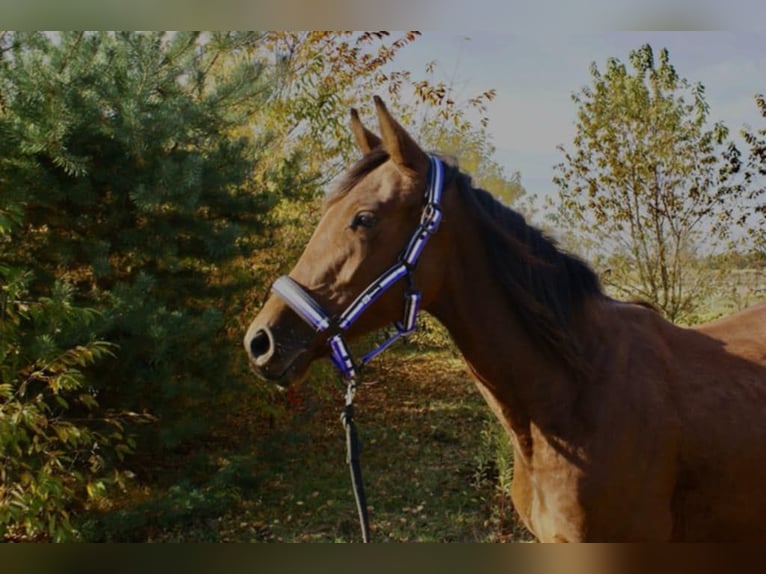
{"type": "Point", "coordinates": [364, 219]}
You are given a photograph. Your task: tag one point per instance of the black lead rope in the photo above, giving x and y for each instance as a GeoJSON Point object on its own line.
{"type": "Point", "coordinates": [352, 458]}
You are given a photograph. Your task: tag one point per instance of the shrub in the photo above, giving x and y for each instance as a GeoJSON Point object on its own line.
{"type": "Point", "coordinates": [56, 448]}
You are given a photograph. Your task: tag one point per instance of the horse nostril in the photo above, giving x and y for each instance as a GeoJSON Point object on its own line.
{"type": "Point", "coordinates": [261, 346]}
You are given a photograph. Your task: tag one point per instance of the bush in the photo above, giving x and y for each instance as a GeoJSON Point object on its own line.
{"type": "Point", "coordinates": [56, 448]}
{"type": "Point", "coordinates": [128, 183]}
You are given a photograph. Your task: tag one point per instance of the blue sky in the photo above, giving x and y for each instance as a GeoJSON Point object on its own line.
{"type": "Point", "coordinates": [535, 75]}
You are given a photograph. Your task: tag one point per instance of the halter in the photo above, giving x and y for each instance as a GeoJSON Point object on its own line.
{"type": "Point", "coordinates": [314, 314]}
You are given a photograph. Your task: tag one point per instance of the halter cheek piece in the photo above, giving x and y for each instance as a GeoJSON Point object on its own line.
{"type": "Point", "coordinates": [312, 312]}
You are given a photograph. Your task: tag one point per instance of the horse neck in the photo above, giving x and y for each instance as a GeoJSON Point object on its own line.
{"type": "Point", "coordinates": [520, 379]}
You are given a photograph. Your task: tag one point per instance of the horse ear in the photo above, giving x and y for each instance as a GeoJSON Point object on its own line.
{"type": "Point", "coordinates": [398, 143]}
{"type": "Point", "coordinates": [365, 139]}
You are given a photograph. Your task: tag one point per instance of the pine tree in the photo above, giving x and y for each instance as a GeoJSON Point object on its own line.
{"type": "Point", "coordinates": [118, 162]}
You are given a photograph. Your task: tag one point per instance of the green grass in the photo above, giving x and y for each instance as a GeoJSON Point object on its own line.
{"type": "Point", "coordinates": [436, 469]}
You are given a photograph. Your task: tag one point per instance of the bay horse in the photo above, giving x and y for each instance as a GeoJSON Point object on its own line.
{"type": "Point", "coordinates": [624, 426]}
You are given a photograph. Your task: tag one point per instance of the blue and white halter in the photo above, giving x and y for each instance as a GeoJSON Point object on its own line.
{"type": "Point", "coordinates": [312, 312]}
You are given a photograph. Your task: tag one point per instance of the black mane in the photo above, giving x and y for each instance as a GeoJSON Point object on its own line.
{"type": "Point", "coordinates": [356, 173]}
{"type": "Point", "coordinates": [544, 283]}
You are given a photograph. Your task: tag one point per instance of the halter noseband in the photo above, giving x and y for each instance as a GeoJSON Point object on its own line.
{"type": "Point", "coordinates": [314, 314]}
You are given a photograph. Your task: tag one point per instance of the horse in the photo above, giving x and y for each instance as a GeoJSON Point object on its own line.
{"type": "Point", "coordinates": [624, 426]}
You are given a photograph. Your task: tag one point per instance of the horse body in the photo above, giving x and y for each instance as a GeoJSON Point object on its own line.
{"type": "Point", "coordinates": [720, 393]}
{"type": "Point", "coordinates": [663, 441]}
{"type": "Point", "coordinates": [625, 427]}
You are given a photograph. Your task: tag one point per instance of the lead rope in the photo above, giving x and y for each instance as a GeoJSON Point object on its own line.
{"type": "Point", "coordinates": [352, 458]}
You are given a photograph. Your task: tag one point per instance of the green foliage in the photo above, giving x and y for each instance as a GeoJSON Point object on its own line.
{"type": "Point", "coordinates": [318, 75]}
{"type": "Point", "coordinates": [119, 167]}
{"type": "Point", "coordinates": [648, 184]}
{"type": "Point", "coordinates": [755, 172]}
{"type": "Point", "coordinates": [494, 457]}
{"type": "Point", "coordinates": [431, 335]}
{"type": "Point", "coordinates": [56, 446]}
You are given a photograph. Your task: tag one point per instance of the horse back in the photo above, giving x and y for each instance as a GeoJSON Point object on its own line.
{"type": "Point", "coordinates": [742, 334]}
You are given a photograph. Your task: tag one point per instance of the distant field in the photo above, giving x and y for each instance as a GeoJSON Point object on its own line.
{"type": "Point", "coordinates": [738, 289]}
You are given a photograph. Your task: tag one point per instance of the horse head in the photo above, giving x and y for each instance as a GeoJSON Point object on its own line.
{"type": "Point", "coordinates": [371, 260]}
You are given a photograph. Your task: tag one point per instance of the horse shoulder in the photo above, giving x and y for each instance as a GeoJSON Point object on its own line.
{"type": "Point", "coordinates": [633, 445]}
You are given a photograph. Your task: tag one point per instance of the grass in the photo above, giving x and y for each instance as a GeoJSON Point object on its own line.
{"type": "Point", "coordinates": [435, 464]}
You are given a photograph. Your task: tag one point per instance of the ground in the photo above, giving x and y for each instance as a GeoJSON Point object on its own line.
{"type": "Point", "coordinates": [436, 468]}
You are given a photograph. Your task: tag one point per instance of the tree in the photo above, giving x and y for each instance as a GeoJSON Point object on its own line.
{"type": "Point", "coordinates": [317, 77]}
{"type": "Point", "coordinates": [755, 174]}
{"type": "Point", "coordinates": [648, 185]}
{"type": "Point", "coordinates": [119, 167]}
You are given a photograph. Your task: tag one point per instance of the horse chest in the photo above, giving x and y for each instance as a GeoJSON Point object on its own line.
{"type": "Point", "coordinates": [545, 496]}
{"type": "Point", "coordinates": [552, 521]}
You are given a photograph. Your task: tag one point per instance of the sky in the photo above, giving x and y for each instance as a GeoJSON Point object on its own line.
{"type": "Point", "coordinates": [498, 15]}
{"type": "Point", "coordinates": [535, 75]}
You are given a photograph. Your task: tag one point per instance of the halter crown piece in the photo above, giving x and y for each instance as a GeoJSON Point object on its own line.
{"type": "Point", "coordinates": [312, 312]}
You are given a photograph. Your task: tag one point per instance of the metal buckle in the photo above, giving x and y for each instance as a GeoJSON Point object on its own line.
{"type": "Point", "coordinates": [411, 308]}
{"type": "Point", "coordinates": [431, 217]}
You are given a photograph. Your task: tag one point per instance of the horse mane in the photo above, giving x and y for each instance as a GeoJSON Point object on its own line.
{"type": "Point", "coordinates": [544, 283]}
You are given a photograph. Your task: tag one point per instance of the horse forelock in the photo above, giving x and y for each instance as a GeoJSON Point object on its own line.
{"type": "Point", "coordinates": [355, 174]}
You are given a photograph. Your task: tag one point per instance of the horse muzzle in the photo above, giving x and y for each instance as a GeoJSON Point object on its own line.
{"type": "Point", "coordinates": [279, 354]}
